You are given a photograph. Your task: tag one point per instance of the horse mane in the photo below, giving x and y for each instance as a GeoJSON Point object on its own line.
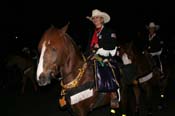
{"type": "Point", "coordinates": [54, 30]}
{"type": "Point", "coordinates": [77, 49]}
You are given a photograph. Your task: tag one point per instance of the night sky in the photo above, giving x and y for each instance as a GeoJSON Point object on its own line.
{"type": "Point", "coordinates": [28, 20]}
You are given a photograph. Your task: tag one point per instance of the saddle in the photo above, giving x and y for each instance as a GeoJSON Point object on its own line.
{"type": "Point", "coordinates": [106, 75]}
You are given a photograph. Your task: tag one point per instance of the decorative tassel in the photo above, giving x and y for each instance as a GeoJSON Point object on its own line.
{"type": "Point", "coordinates": [62, 101]}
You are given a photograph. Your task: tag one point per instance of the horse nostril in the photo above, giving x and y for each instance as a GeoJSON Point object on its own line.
{"type": "Point", "coordinates": [42, 78]}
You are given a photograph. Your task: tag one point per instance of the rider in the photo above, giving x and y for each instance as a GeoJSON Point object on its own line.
{"type": "Point", "coordinates": [154, 45]}
{"type": "Point", "coordinates": [103, 41]}
{"type": "Point", "coordinates": [102, 38]}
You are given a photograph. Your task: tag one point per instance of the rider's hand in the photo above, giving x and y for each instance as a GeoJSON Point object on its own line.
{"type": "Point", "coordinates": [105, 60]}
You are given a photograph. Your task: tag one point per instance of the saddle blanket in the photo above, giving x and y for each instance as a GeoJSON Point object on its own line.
{"type": "Point", "coordinates": [81, 96]}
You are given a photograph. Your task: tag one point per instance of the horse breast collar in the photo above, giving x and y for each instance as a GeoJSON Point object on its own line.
{"type": "Point", "coordinates": [75, 82]}
{"type": "Point", "coordinates": [74, 93]}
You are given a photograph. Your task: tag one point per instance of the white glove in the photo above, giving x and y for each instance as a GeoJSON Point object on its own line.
{"type": "Point", "coordinates": [106, 53]}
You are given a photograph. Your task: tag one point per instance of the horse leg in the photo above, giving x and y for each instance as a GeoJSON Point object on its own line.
{"type": "Point", "coordinates": [34, 83]}
{"type": "Point", "coordinates": [136, 90]}
{"type": "Point", "coordinates": [164, 80]}
{"type": "Point", "coordinates": [79, 111]}
{"type": "Point", "coordinates": [124, 99]}
{"type": "Point", "coordinates": [114, 100]}
{"type": "Point", "coordinates": [82, 114]}
{"type": "Point", "coordinates": [24, 80]}
{"type": "Point", "coordinates": [162, 88]}
{"type": "Point", "coordinates": [149, 97]}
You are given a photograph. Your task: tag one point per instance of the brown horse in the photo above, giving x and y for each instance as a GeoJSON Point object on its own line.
{"type": "Point", "coordinates": [26, 68]}
{"type": "Point", "coordinates": [139, 74]}
{"type": "Point", "coordinates": [60, 54]}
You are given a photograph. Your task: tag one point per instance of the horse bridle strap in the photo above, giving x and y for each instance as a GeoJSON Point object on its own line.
{"type": "Point", "coordinates": [74, 83]}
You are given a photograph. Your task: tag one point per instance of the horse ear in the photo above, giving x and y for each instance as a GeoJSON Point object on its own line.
{"type": "Point", "coordinates": [64, 29]}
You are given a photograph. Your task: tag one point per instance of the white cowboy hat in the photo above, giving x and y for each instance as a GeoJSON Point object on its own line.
{"type": "Point", "coordinates": [97, 12]}
{"type": "Point", "coordinates": [153, 25]}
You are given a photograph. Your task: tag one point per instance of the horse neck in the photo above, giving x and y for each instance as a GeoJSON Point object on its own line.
{"type": "Point", "coordinates": [143, 64]}
{"type": "Point", "coordinates": [69, 69]}
{"type": "Point", "coordinates": [140, 60]}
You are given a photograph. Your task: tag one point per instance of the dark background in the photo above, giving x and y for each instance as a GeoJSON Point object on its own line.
{"type": "Point", "coordinates": [22, 23]}
{"type": "Point", "coordinates": [29, 19]}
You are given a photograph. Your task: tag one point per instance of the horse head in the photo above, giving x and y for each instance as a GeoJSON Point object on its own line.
{"type": "Point", "coordinates": [55, 53]}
